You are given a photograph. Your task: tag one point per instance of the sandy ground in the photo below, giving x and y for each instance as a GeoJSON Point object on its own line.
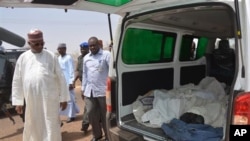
{"type": "Point", "coordinates": [70, 131]}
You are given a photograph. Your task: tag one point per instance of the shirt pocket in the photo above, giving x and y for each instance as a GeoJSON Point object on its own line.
{"type": "Point", "coordinates": [101, 65]}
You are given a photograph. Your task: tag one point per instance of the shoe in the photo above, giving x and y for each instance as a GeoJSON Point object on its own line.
{"type": "Point", "coordinates": [96, 139]}
{"type": "Point", "coordinates": [85, 127]}
{"type": "Point", "coordinates": [70, 120]}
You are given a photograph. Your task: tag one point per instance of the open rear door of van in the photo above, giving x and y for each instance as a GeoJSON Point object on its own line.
{"type": "Point", "coordinates": [120, 7]}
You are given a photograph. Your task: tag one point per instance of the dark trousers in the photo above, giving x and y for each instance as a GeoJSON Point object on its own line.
{"type": "Point", "coordinates": [96, 110]}
{"type": "Point", "coordinates": [85, 119]}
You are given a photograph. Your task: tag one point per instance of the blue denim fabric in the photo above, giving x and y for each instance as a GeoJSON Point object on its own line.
{"type": "Point", "coordinates": [181, 131]}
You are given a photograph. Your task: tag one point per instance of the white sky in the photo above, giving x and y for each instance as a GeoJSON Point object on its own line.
{"type": "Point", "coordinates": [71, 28]}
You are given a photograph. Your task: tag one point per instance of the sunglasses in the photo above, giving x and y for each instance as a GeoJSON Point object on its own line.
{"type": "Point", "coordinates": [37, 44]}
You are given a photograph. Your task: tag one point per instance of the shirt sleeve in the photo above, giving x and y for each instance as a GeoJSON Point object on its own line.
{"type": "Point", "coordinates": [17, 85]}
{"type": "Point", "coordinates": [78, 65]}
{"type": "Point", "coordinates": [71, 70]}
{"type": "Point", "coordinates": [62, 84]}
{"type": "Point", "coordinates": [108, 59]}
{"type": "Point", "coordinates": [84, 75]}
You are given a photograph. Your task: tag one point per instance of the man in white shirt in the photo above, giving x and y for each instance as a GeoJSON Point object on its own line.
{"type": "Point", "coordinates": [67, 65]}
{"type": "Point", "coordinates": [95, 73]}
{"type": "Point", "coordinates": [39, 80]}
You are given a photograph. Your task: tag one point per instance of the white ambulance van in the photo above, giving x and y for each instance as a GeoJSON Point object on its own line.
{"type": "Point", "coordinates": [168, 60]}
{"type": "Point", "coordinates": [179, 68]}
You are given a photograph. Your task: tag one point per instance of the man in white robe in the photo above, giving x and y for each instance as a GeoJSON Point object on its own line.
{"type": "Point", "coordinates": [67, 65]}
{"type": "Point", "coordinates": [39, 81]}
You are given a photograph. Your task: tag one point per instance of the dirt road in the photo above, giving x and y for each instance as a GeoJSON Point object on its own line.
{"type": "Point", "coordinates": [70, 131]}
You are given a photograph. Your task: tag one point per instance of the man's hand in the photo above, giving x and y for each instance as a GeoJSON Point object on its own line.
{"type": "Point", "coordinates": [63, 105]}
{"type": "Point", "coordinates": [82, 97]}
{"type": "Point", "coordinates": [71, 87]}
{"type": "Point", "coordinates": [19, 109]}
{"type": "Point", "coordinates": [74, 83]}
{"type": "Point", "coordinates": [82, 94]}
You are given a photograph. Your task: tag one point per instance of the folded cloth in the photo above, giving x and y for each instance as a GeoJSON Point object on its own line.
{"type": "Point", "coordinates": [181, 131]}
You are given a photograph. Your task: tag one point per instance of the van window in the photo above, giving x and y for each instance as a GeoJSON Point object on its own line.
{"type": "Point", "coordinates": [192, 48]}
{"type": "Point", "coordinates": [142, 46]}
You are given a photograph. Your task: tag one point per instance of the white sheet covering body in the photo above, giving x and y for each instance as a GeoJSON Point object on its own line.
{"type": "Point", "coordinates": [39, 80]}
{"type": "Point", "coordinates": [207, 99]}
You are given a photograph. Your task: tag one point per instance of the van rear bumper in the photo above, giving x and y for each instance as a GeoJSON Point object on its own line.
{"type": "Point", "coordinates": [117, 134]}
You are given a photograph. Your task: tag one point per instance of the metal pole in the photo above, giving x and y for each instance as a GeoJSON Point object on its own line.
{"type": "Point", "coordinates": [110, 31]}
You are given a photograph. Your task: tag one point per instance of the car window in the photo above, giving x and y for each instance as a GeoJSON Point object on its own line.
{"type": "Point", "coordinates": [13, 56]}
{"type": "Point", "coordinates": [5, 72]}
{"type": "Point", "coordinates": [2, 64]}
{"type": "Point", "coordinates": [142, 46]}
{"type": "Point", "coordinates": [192, 48]}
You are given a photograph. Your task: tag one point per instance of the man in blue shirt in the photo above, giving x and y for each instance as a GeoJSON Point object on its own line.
{"type": "Point", "coordinates": [95, 73]}
{"type": "Point", "coordinates": [67, 65]}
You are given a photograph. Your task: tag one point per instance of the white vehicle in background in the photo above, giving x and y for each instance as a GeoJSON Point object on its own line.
{"type": "Point", "coordinates": [151, 51]}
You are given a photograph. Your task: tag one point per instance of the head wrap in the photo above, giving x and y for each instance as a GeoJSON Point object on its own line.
{"type": "Point", "coordinates": [35, 35]}
{"type": "Point", "coordinates": [61, 45]}
{"type": "Point", "coordinates": [84, 45]}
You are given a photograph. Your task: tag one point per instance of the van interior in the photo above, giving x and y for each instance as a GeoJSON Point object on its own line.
{"type": "Point", "coordinates": [171, 48]}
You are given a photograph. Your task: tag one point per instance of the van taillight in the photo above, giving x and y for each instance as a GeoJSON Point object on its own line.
{"type": "Point", "coordinates": [108, 95]}
{"type": "Point", "coordinates": [242, 109]}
